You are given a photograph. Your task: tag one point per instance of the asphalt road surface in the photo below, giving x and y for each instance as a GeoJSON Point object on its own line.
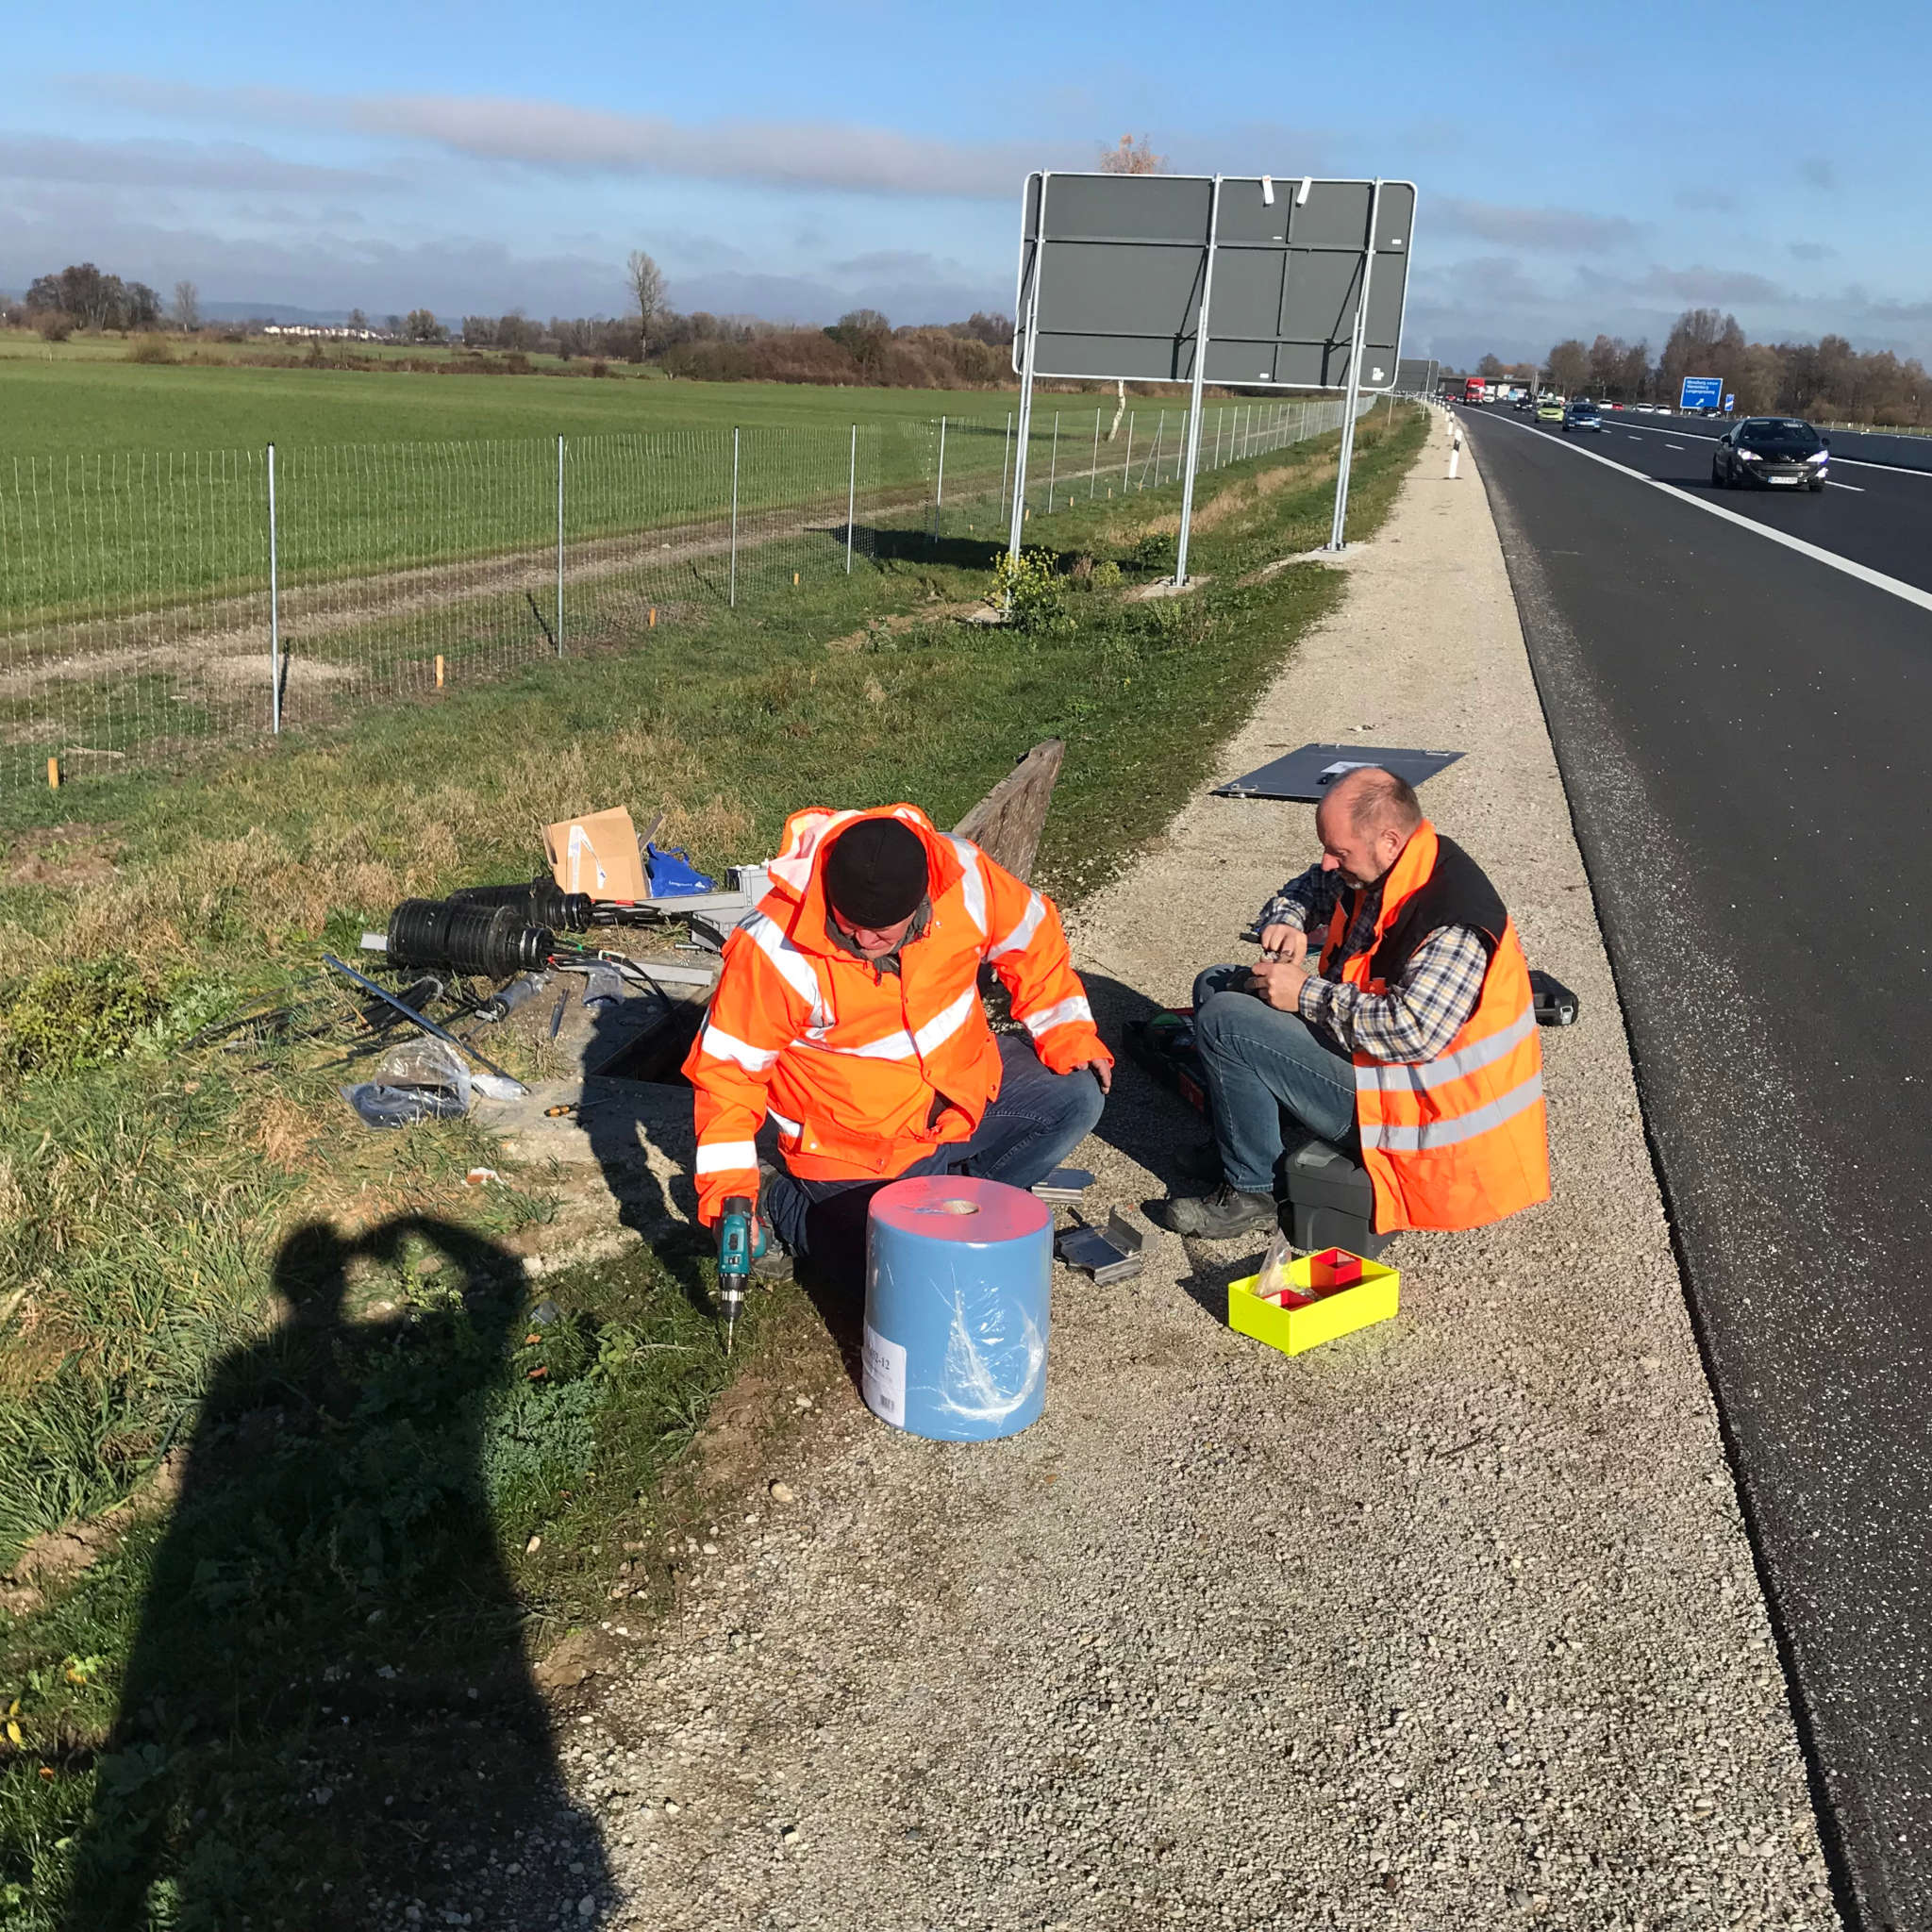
{"type": "Point", "coordinates": [1745, 731]}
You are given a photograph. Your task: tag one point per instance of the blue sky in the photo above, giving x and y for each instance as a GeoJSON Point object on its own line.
{"type": "Point", "coordinates": [1579, 168]}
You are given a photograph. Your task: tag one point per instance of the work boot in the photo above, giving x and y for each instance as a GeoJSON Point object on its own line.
{"type": "Point", "coordinates": [1222, 1215]}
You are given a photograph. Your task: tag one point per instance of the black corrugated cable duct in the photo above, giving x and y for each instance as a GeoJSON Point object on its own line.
{"type": "Point", "coordinates": [493, 940]}
{"type": "Point", "coordinates": [542, 901]}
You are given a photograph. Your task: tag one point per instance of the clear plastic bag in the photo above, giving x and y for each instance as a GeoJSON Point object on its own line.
{"type": "Point", "coordinates": [422, 1080]}
{"type": "Point", "coordinates": [1273, 1278]}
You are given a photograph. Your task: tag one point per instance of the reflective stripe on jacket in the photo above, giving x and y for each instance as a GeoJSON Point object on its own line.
{"type": "Point", "coordinates": [1462, 1139]}
{"type": "Point", "coordinates": [862, 1072]}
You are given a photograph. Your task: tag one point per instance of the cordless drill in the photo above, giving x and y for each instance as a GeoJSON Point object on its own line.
{"type": "Point", "coordinates": [737, 1229]}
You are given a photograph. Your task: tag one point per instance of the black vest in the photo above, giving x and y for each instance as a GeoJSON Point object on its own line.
{"type": "Point", "coordinates": [1457, 892]}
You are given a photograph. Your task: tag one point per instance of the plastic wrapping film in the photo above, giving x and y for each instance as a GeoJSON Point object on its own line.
{"type": "Point", "coordinates": [959, 1276]}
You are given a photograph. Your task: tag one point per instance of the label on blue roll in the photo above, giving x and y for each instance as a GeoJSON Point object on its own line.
{"type": "Point", "coordinates": [883, 1377]}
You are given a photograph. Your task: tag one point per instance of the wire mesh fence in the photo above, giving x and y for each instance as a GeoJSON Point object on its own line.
{"type": "Point", "coordinates": [151, 604]}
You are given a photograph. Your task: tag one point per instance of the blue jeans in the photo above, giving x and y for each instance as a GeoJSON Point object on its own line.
{"type": "Point", "coordinates": [1038, 1120]}
{"type": "Point", "coordinates": [1257, 1061]}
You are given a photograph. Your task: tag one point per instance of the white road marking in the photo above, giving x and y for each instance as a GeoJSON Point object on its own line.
{"type": "Point", "coordinates": [1857, 489]}
{"type": "Point", "coordinates": [1677, 446]}
{"type": "Point", "coordinates": [1909, 593]}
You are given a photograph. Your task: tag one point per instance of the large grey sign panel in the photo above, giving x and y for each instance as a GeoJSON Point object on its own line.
{"type": "Point", "coordinates": [1119, 261]}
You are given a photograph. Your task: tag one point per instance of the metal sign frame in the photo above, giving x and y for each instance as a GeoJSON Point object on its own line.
{"type": "Point", "coordinates": [1136, 353]}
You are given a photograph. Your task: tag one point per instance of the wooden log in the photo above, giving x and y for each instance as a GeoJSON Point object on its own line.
{"type": "Point", "coordinates": [1005, 825]}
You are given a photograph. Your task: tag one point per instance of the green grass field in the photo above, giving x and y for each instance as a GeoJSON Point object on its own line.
{"type": "Point", "coordinates": [85, 397]}
{"type": "Point", "coordinates": [365, 1483]}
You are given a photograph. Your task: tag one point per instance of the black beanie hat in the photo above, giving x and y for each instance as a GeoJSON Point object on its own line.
{"type": "Point", "coordinates": [876, 873]}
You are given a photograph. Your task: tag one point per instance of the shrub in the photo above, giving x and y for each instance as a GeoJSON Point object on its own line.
{"type": "Point", "coordinates": [54, 326]}
{"type": "Point", "coordinates": [1033, 592]}
{"type": "Point", "coordinates": [69, 1017]}
{"type": "Point", "coordinates": [151, 348]}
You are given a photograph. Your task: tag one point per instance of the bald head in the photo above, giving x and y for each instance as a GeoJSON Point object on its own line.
{"type": "Point", "coordinates": [1365, 823]}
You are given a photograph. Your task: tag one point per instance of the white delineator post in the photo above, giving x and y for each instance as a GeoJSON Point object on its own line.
{"type": "Point", "coordinates": [1454, 449]}
{"type": "Point", "coordinates": [851, 497]}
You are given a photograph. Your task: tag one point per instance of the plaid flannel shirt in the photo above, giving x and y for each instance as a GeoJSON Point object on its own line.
{"type": "Point", "coordinates": [1425, 1009]}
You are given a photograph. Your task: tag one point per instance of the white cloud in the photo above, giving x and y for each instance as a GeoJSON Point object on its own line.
{"type": "Point", "coordinates": [556, 136]}
{"type": "Point", "coordinates": [1549, 230]}
{"type": "Point", "coordinates": [149, 164]}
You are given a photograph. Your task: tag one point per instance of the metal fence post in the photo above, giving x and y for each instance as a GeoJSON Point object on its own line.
{"type": "Point", "coordinates": [1093, 469]}
{"type": "Point", "coordinates": [559, 546]}
{"type": "Point", "coordinates": [851, 497]}
{"type": "Point", "coordinates": [1127, 466]}
{"type": "Point", "coordinates": [274, 608]}
{"type": "Point", "coordinates": [939, 492]}
{"type": "Point", "coordinates": [734, 520]}
{"type": "Point", "coordinates": [1006, 461]}
{"type": "Point", "coordinates": [1053, 467]}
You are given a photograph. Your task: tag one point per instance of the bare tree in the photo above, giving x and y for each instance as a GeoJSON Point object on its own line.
{"type": "Point", "coordinates": [647, 280]}
{"type": "Point", "coordinates": [186, 307]}
{"type": "Point", "coordinates": [1132, 156]}
{"type": "Point", "coordinates": [1569, 366]}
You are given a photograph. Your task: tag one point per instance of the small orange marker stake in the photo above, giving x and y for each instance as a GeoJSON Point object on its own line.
{"type": "Point", "coordinates": [794, 580]}
{"type": "Point", "coordinates": [439, 671]}
{"type": "Point", "coordinates": [652, 621]}
{"type": "Point", "coordinates": [53, 774]}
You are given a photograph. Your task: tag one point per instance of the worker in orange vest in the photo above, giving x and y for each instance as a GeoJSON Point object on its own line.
{"type": "Point", "coordinates": [847, 1014]}
{"type": "Point", "coordinates": [1412, 1036]}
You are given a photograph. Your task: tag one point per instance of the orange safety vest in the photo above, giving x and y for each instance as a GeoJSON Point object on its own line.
{"type": "Point", "coordinates": [1462, 1139]}
{"type": "Point", "coordinates": [863, 1071]}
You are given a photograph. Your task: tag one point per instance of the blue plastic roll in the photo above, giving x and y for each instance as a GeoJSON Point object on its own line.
{"type": "Point", "coordinates": [958, 1278]}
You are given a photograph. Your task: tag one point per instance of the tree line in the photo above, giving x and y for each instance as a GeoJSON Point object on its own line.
{"type": "Point", "coordinates": [862, 347]}
{"type": "Point", "coordinates": [1827, 378]}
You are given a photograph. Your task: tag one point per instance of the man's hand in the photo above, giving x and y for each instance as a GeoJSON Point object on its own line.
{"type": "Point", "coordinates": [1101, 1070]}
{"type": "Point", "coordinates": [1285, 942]}
{"type": "Point", "coordinates": [1279, 982]}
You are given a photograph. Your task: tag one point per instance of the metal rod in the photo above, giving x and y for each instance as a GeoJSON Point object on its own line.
{"type": "Point", "coordinates": [1093, 468]}
{"type": "Point", "coordinates": [429, 1026]}
{"type": "Point", "coordinates": [1192, 459]}
{"type": "Point", "coordinates": [734, 520]}
{"type": "Point", "coordinates": [1053, 467]}
{"type": "Point", "coordinates": [1338, 538]}
{"type": "Point", "coordinates": [1031, 342]}
{"type": "Point", "coordinates": [1127, 466]}
{"type": "Point", "coordinates": [275, 607]}
{"type": "Point", "coordinates": [939, 493]}
{"type": "Point", "coordinates": [1006, 461]}
{"type": "Point", "coordinates": [851, 497]}
{"type": "Point", "coordinates": [559, 546]}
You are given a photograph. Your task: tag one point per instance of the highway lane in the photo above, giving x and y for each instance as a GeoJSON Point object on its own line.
{"type": "Point", "coordinates": [1882, 518]}
{"type": "Point", "coordinates": [1744, 737]}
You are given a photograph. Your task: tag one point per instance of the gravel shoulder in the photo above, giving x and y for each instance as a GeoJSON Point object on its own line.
{"type": "Point", "coordinates": [1451, 1621]}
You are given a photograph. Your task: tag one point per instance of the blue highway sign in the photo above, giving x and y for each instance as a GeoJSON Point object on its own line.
{"type": "Point", "coordinates": [1702, 393]}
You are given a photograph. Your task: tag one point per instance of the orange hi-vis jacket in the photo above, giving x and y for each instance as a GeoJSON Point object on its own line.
{"type": "Point", "coordinates": [1462, 1139]}
{"type": "Point", "coordinates": [864, 1072]}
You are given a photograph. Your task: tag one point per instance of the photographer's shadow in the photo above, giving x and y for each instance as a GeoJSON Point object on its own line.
{"type": "Point", "coordinates": [328, 1719]}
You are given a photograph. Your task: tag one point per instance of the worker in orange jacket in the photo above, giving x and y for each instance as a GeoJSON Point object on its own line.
{"type": "Point", "coordinates": [848, 1015]}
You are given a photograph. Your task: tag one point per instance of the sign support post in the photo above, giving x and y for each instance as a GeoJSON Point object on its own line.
{"type": "Point", "coordinates": [1193, 456]}
{"type": "Point", "coordinates": [1031, 340]}
{"type": "Point", "coordinates": [1358, 346]}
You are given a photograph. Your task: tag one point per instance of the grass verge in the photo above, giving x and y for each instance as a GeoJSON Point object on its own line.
{"type": "Point", "coordinates": [361, 1466]}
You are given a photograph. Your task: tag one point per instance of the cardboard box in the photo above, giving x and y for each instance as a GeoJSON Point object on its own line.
{"type": "Point", "coordinates": [598, 854]}
{"type": "Point", "coordinates": [1307, 1315]}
